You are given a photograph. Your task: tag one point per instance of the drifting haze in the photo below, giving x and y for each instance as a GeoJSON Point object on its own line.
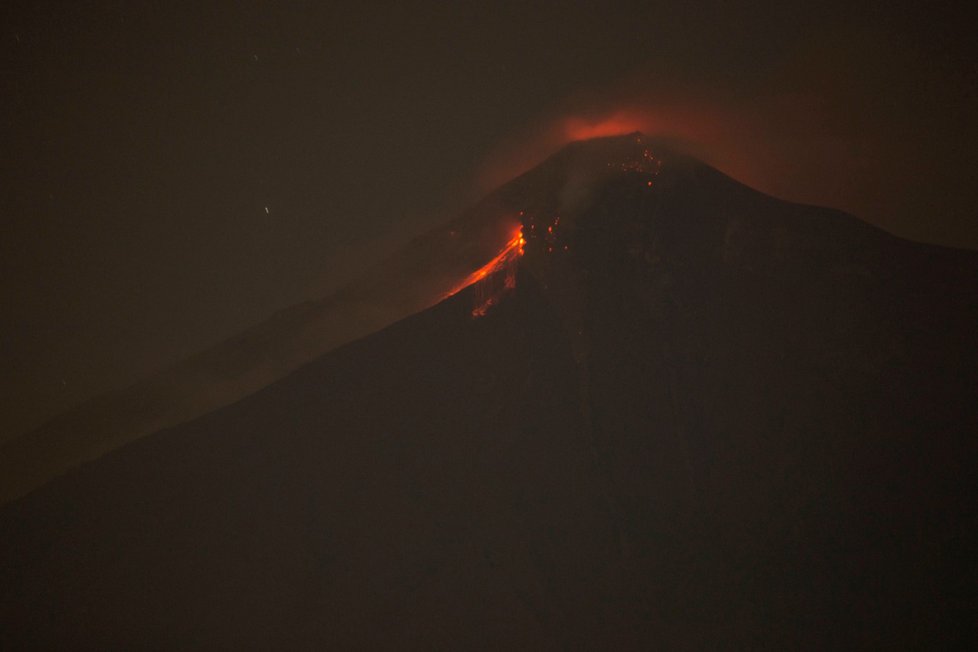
{"type": "Point", "coordinates": [855, 122]}
{"type": "Point", "coordinates": [176, 176]}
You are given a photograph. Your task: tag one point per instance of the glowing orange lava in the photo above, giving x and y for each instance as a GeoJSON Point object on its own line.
{"type": "Point", "coordinates": [495, 278]}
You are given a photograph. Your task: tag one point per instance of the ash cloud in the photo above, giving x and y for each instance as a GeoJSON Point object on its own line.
{"type": "Point", "coordinates": [857, 121]}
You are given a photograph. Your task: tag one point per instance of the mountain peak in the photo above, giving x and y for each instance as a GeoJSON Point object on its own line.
{"type": "Point", "coordinates": [694, 393]}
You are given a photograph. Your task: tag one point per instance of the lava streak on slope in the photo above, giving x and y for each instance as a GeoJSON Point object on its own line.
{"type": "Point", "coordinates": [496, 278]}
{"type": "Point", "coordinates": [543, 232]}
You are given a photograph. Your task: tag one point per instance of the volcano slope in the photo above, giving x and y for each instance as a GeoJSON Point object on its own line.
{"type": "Point", "coordinates": [703, 419]}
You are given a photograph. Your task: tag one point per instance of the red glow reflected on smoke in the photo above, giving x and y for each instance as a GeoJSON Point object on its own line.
{"type": "Point", "coordinates": [680, 122]}
{"type": "Point", "coordinates": [782, 145]}
{"type": "Point", "coordinates": [726, 135]}
{"type": "Point", "coordinates": [614, 125]}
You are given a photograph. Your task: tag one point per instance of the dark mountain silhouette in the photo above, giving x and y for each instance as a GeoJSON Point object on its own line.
{"type": "Point", "coordinates": [412, 279]}
{"type": "Point", "coordinates": [703, 418]}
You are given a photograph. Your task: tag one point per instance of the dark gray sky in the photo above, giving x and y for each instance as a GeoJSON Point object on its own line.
{"type": "Point", "coordinates": [174, 174]}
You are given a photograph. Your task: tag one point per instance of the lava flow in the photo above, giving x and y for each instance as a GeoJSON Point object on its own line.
{"type": "Point", "coordinates": [496, 278]}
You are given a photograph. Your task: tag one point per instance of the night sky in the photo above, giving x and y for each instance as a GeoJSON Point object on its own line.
{"type": "Point", "coordinates": [174, 175]}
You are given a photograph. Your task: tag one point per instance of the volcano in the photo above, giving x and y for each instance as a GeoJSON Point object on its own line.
{"type": "Point", "coordinates": [677, 413]}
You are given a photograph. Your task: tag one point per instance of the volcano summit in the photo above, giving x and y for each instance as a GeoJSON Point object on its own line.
{"type": "Point", "coordinates": [676, 413]}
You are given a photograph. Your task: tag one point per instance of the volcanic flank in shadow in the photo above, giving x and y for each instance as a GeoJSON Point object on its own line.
{"type": "Point", "coordinates": [434, 265]}
{"type": "Point", "coordinates": [700, 418]}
